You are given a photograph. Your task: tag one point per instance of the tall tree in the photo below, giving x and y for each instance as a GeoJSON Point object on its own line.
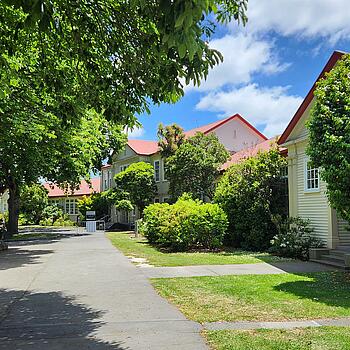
{"type": "Point", "coordinates": [170, 137]}
{"type": "Point", "coordinates": [63, 60]}
{"type": "Point", "coordinates": [329, 127]}
{"type": "Point", "coordinates": [195, 166]}
{"type": "Point", "coordinates": [44, 147]}
{"type": "Point", "coordinates": [137, 184]}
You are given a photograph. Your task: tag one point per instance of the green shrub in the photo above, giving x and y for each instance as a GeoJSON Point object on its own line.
{"type": "Point", "coordinates": [250, 194]}
{"type": "Point", "coordinates": [64, 221]}
{"type": "Point", "coordinates": [187, 224]}
{"type": "Point", "coordinates": [294, 238]}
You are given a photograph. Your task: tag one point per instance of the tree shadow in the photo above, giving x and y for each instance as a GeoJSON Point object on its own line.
{"type": "Point", "coordinates": [33, 321]}
{"type": "Point", "coordinates": [17, 257]}
{"type": "Point", "coordinates": [330, 288]}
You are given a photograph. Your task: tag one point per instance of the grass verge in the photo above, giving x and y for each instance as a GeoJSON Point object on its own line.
{"type": "Point", "coordinates": [322, 338]}
{"type": "Point", "coordinates": [138, 247]}
{"type": "Point", "coordinates": [259, 297]}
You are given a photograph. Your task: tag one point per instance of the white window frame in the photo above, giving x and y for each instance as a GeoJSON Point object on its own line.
{"type": "Point", "coordinates": [74, 208]}
{"type": "Point", "coordinates": [155, 173]}
{"type": "Point", "coordinates": [163, 170]}
{"type": "Point", "coordinates": [306, 179]}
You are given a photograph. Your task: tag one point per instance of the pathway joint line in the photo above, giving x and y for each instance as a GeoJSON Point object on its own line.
{"type": "Point", "coordinates": [250, 325]}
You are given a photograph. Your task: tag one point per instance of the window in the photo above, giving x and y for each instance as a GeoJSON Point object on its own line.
{"type": "Point", "coordinates": [284, 172]}
{"type": "Point", "coordinates": [166, 200]}
{"type": "Point", "coordinates": [123, 167]}
{"type": "Point", "coordinates": [163, 169]}
{"type": "Point", "coordinates": [157, 170]}
{"type": "Point", "coordinates": [109, 184]}
{"type": "Point", "coordinates": [71, 207]}
{"type": "Point", "coordinates": [312, 177]}
{"type": "Point", "coordinates": [156, 200]}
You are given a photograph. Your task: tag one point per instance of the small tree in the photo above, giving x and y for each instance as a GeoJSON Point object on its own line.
{"type": "Point", "coordinates": [195, 166]}
{"type": "Point", "coordinates": [329, 127]}
{"type": "Point", "coordinates": [251, 193]}
{"type": "Point", "coordinates": [170, 138]}
{"type": "Point", "coordinates": [137, 184]}
{"type": "Point", "coordinates": [33, 200]}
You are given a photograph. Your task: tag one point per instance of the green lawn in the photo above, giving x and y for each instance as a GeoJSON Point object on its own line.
{"type": "Point", "coordinates": [322, 338]}
{"type": "Point", "coordinates": [138, 247]}
{"type": "Point", "coordinates": [34, 235]}
{"type": "Point", "coordinates": [259, 297]}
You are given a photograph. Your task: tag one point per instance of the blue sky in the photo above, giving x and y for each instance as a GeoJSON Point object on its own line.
{"type": "Point", "coordinates": [268, 68]}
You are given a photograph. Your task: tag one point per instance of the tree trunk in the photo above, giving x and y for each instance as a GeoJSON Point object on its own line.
{"type": "Point", "coordinates": [13, 208]}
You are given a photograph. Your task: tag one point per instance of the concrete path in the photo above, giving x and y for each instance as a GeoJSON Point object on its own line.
{"type": "Point", "coordinates": [81, 293]}
{"type": "Point", "coordinates": [237, 269]}
{"type": "Point", "coordinates": [216, 326]}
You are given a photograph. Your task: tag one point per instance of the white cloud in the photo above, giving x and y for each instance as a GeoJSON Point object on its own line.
{"type": "Point", "coordinates": [244, 55]}
{"type": "Point", "coordinates": [308, 18]}
{"type": "Point", "coordinates": [272, 107]}
{"type": "Point", "coordinates": [135, 132]}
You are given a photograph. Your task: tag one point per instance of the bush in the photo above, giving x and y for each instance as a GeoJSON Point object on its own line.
{"type": "Point", "coordinates": [187, 224]}
{"type": "Point", "coordinates": [294, 238]}
{"type": "Point", "coordinates": [250, 193]}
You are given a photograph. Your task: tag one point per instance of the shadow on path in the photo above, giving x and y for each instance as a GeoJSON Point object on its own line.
{"type": "Point", "coordinates": [17, 257]}
{"type": "Point", "coordinates": [49, 321]}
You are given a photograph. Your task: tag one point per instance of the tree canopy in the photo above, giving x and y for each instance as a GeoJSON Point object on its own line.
{"type": "Point", "coordinates": [34, 199]}
{"type": "Point", "coordinates": [195, 166]}
{"type": "Point", "coordinates": [136, 184]}
{"type": "Point", "coordinates": [251, 193]}
{"type": "Point", "coordinates": [121, 53]}
{"type": "Point", "coordinates": [170, 137]}
{"type": "Point", "coordinates": [73, 71]}
{"type": "Point", "coordinates": [329, 128]}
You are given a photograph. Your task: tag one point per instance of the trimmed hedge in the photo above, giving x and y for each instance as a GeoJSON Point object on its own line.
{"type": "Point", "coordinates": [187, 224]}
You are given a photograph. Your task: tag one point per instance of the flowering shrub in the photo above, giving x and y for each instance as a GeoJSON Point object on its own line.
{"type": "Point", "coordinates": [294, 238]}
{"type": "Point", "coordinates": [185, 225]}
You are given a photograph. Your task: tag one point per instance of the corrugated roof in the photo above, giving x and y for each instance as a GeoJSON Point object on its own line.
{"type": "Point", "coordinates": [84, 189]}
{"type": "Point", "coordinates": [212, 126]}
{"type": "Point", "coordinates": [143, 147]}
{"type": "Point", "coordinates": [251, 151]}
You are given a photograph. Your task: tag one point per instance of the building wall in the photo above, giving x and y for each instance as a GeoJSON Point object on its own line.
{"type": "Point", "coordinates": [66, 203]}
{"type": "Point", "coordinates": [236, 135]}
{"type": "Point", "coordinates": [311, 205]}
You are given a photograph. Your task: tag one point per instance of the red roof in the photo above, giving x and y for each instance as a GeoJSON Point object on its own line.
{"type": "Point", "coordinates": [84, 189]}
{"type": "Point", "coordinates": [251, 151]}
{"type": "Point", "coordinates": [337, 55]}
{"type": "Point", "coordinates": [143, 147]}
{"type": "Point", "coordinates": [106, 166]}
{"type": "Point", "coordinates": [212, 126]}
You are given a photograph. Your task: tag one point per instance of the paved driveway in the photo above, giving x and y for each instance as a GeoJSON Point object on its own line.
{"type": "Point", "coordinates": [81, 293]}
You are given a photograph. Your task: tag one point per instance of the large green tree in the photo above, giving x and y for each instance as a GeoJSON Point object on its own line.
{"type": "Point", "coordinates": [329, 128]}
{"type": "Point", "coordinates": [136, 184]}
{"type": "Point", "coordinates": [66, 62]}
{"type": "Point", "coordinates": [195, 166]}
{"type": "Point", "coordinates": [43, 146]}
{"type": "Point", "coordinates": [251, 193]}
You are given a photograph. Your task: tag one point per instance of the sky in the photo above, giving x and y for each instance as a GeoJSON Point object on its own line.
{"type": "Point", "coordinates": [269, 66]}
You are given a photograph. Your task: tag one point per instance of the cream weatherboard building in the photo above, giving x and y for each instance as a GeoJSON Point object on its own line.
{"type": "Point", "coordinates": [307, 191]}
{"type": "Point", "coordinates": [234, 132]}
{"type": "Point", "coordinates": [68, 201]}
